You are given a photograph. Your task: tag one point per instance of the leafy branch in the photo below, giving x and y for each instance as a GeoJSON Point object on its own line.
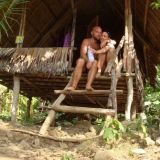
{"type": "Point", "coordinates": [9, 8]}
{"type": "Point", "coordinates": [156, 4]}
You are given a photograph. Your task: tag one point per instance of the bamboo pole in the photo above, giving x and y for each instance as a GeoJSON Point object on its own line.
{"type": "Point", "coordinates": [15, 98]}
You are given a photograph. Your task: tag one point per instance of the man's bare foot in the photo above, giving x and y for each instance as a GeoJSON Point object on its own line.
{"type": "Point", "coordinates": [89, 88]}
{"type": "Point", "coordinates": [98, 74]}
{"type": "Point", "coordinates": [71, 88]}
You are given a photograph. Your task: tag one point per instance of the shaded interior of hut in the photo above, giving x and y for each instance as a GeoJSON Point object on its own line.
{"type": "Point", "coordinates": [49, 29]}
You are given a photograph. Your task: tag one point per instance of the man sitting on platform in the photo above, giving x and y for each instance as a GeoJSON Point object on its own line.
{"type": "Point", "coordinates": [87, 59]}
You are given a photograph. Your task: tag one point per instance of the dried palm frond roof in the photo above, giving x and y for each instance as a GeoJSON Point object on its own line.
{"type": "Point", "coordinates": [51, 61]}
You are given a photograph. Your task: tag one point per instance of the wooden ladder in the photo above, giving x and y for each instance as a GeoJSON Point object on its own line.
{"type": "Point", "coordinates": [112, 100]}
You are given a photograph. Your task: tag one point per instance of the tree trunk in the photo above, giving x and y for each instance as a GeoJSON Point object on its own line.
{"type": "Point", "coordinates": [29, 105]}
{"type": "Point", "coordinates": [15, 98]}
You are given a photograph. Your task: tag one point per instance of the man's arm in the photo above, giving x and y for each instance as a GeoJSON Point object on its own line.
{"type": "Point", "coordinates": [103, 50]}
{"type": "Point", "coordinates": [83, 51]}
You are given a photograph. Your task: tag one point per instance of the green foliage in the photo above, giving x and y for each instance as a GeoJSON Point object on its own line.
{"type": "Point", "coordinates": [9, 8]}
{"type": "Point", "coordinates": [152, 103]}
{"type": "Point", "coordinates": [6, 98]}
{"type": "Point", "coordinates": [139, 125]}
{"type": "Point", "coordinates": [156, 4]}
{"type": "Point", "coordinates": [113, 131]}
{"type": "Point", "coordinates": [67, 156]}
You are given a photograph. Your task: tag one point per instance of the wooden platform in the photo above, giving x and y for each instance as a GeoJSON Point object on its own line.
{"type": "Point", "coordinates": [39, 85]}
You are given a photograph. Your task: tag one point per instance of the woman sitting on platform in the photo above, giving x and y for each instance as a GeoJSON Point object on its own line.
{"type": "Point", "coordinates": [105, 53]}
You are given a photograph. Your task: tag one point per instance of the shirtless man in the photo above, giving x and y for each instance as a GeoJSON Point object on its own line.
{"type": "Point", "coordinates": [83, 61]}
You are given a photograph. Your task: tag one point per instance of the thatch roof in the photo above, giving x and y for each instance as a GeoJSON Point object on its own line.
{"type": "Point", "coordinates": [47, 61]}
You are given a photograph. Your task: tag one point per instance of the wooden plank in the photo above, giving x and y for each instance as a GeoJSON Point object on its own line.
{"type": "Point", "coordinates": [85, 92]}
{"type": "Point", "coordinates": [75, 109]}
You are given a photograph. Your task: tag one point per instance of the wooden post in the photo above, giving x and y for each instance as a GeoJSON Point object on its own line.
{"type": "Point", "coordinates": [111, 66]}
{"type": "Point", "coordinates": [133, 111]}
{"type": "Point", "coordinates": [16, 80]}
{"type": "Point", "coordinates": [51, 116]}
{"type": "Point", "coordinates": [15, 98]}
{"type": "Point", "coordinates": [29, 106]}
{"type": "Point", "coordinates": [129, 49]}
{"type": "Point", "coordinates": [74, 9]}
{"type": "Point", "coordinates": [129, 98]}
{"type": "Point", "coordinates": [126, 37]}
{"type": "Point", "coordinates": [113, 90]}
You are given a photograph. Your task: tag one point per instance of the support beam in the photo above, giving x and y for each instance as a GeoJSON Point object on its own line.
{"type": "Point", "coordinates": [113, 90]}
{"type": "Point", "coordinates": [130, 56]}
{"type": "Point", "coordinates": [87, 110]}
{"type": "Point", "coordinates": [15, 98]}
{"type": "Point", "coordinates": [85, 92]}
{"type": "Point", "coordinates": [129, 99]}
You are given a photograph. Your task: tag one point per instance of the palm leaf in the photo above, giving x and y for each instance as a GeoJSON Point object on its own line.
{"type": "Point", "coordinates": [156, 4]}
{"type": "Point", "coordinates": [8, 8]}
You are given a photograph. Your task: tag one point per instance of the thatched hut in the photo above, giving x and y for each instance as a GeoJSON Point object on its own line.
{"type": "Point", "coordinates": [42, 63]}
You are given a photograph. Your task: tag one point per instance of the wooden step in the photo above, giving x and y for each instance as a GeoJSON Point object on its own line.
{"type": "Point", "coordinates": [84, 76]}
{"type": "Point", "coordinates": [87, 110]}
{"type": "Point", "coordinates": [85, 92]}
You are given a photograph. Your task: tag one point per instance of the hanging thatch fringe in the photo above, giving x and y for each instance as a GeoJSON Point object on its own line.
{"type": "Point", "coordinates": [52, 61]}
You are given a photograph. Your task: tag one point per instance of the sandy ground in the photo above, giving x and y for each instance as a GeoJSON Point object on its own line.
{"type": "Point", "coordinates": [19, 146]}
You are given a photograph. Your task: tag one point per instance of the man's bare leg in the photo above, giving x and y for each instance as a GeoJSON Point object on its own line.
{"type": "Point", "coordinates": [77, 74]}
{"type": "Point", "coordinates": [91, 76]}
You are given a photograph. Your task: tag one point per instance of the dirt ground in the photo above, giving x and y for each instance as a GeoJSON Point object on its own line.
{"type": "Point", "coordinates": [20, 146]}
